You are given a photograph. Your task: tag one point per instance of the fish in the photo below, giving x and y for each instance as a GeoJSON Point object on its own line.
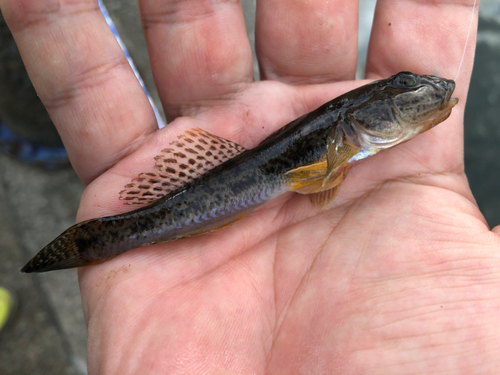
{"type": "Point", "coordinates": [204, 182]}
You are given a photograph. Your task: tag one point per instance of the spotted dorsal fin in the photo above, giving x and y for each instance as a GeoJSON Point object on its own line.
{"type": "Point", "coordinates": [194, 153]}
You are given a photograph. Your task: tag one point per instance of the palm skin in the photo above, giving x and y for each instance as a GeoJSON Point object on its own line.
{"type": "Point", "coordinates": [399, 275]}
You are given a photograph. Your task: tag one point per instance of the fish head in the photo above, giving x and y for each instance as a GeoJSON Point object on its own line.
{"type": "Point", "coordinates": [399, 108]}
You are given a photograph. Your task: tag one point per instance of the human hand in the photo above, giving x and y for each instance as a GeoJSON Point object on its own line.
{"type": "Point", "coordinates": [398, 275]}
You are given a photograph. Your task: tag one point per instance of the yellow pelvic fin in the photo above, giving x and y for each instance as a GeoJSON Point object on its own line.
{"type": "Point", "coordinates": [307, 179]}
{"type": "Point", "coordinates": [313, 178]}
{"type": "Point", "coordinates": [323, 178]}
{"type": "Point", "coordinates": [194, 153]}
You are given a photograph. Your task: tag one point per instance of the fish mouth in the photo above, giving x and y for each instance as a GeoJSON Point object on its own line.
{"type": "Point", "coordinates": [448, 101]}
{"type": "Point", "coordinates": [444, 109]}
{"type": "Point", "coordinates": [451, 103]}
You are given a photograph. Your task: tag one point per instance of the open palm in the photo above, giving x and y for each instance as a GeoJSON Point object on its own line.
{"type": "Point", "coordinates": [399, 275]}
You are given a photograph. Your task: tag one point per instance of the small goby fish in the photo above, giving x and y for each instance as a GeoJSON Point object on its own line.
{"type": "Point", "coordinates": [204, 182]}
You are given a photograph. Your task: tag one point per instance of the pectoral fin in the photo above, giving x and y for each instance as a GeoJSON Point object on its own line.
{"type": "Point", "coordinates": [194, 153]}
{"type": "Point", "coordinates": [339, 151]}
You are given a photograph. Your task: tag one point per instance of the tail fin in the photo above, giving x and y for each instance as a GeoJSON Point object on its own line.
{"type": "Point", "coordinates": [63, 252]}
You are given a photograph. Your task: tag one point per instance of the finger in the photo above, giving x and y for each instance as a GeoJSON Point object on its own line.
{"type": "Point", "coordinates": [83, 78]}
{"type": "Point", "coordinates": [425, 37]}
{"type": "Point", "coordinates": [307, 41]}
{"type": "Point", "coordinates": [199, 52]}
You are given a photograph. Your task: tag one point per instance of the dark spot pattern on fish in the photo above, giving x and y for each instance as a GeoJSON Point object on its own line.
{"type": "Point", "coordinates": [203, 182]}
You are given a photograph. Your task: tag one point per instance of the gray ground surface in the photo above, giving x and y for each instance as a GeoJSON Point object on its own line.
{"type": "Point", "coordinates": [48, 334]}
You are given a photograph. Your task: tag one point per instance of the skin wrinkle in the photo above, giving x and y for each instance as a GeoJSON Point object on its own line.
{"type": "Point", "coordinates": [278, 322]}
{"type": "Point", "coordinates": [439, 263]}
{"type": "Point", "coordinates": [427, 317]}
{"type": "Point", "coordinates": [434, 346]}
{"type": "Point", "coordinates": [458, 169]}
{"type": "Point", "coordinates": [95, 76]}
{"type": "Point", "coordinates": [276, 327]}
{"type": "Point", "coordinates": [206, 61]}
{"type": "Point", "coordinates": [212, 270]}
{"type": "Point", "coordinates": [312, 52]}
{"type": "Point", "coordinates": [206, 275]}
{"type": "Point", "coordinates": [416, 179]}
{"type": "Point", "coordinates": [355, 205]}
{"type": "Point", "coordinates": [138, 322]}
{"type": "Point", "coordinates": [424, 315]}
{"type": "Point", "coordinates": [59, 97]}
{"type": "Point", "coordinates": [397, 366]}
{"type": "Point", "coordinates": [268, 341]}
{"type": "Point", "coordinates": [198, 108]}
{"type": "Point", "coordinates": [473, 282]}
{"type": "Point", "coordinates": [407, 361]}
{"type": "Point", "coordinates": [281, 315]}
{"type": "Point", "coordinates": [128, 149]}
{"type": "Point", "coordinates": [24, 19]}
{"type": "Point", "coordinates": [271, 327]}
{"type": "Point", "coordinates": [171, 14]}
{"type": "Point", "coordinates": [434, 220]}
{"type": "Point", "coordinates": [422, 276]}
{"type": "Point", "coordinates": [249, 277]}
{"type": "Point", "coordinates": [307, 271]}
{"type": "Point", "coordinates": [378, 68]}
{"type": "Point", "coordinates": [299, 80]}
{"type": "Point", "coordinates": [126, 358]}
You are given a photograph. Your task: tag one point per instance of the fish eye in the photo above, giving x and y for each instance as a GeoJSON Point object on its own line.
{"type": "Point", "coordinates": [409, 81]}
{"type": "Point", "coordinates": [406, 80]}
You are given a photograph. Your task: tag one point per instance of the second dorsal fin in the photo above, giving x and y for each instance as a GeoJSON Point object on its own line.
{"type": "Point", "coordinates": [194, 153]}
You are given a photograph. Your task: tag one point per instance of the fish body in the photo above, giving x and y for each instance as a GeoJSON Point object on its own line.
{"type": "Point", "coordinates": [310, 155]}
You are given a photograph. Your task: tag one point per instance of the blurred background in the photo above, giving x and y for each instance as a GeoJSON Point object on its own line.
{"type": "Point", "coordinates": [40, 192]}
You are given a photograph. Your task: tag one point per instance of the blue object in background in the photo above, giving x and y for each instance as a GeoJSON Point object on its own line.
{"type": "Point", "coordinates": [50, 158]}
{"type": "Point", "coordinates": [112, 27]}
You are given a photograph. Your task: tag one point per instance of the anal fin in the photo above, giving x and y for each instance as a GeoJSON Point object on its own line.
{"type": "Point", "coordinates": [194, 153]}
{"type": "Point", "coordinates": [323, 198]}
